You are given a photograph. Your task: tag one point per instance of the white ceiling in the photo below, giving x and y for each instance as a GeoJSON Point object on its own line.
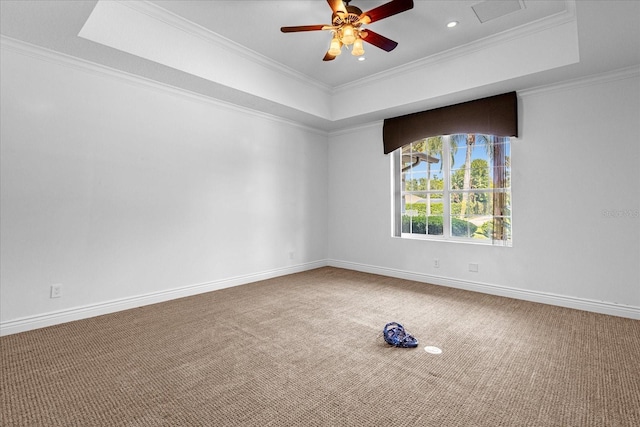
{"type": "Point", "coordinates": [608, 36]}
{"type": "Point", "coordinates": [420, 32]}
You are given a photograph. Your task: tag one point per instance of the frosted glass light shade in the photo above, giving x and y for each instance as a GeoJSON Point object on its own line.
{"type": "Point", "coordinates": [335, 48]}
{"type": "Point", "coordinates": [358, 48]}
{"type": "Point", "coordinates": [348, 34]}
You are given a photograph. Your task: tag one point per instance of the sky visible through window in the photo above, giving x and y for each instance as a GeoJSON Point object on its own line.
{"type": "Point", "coordinates": [479, 151]}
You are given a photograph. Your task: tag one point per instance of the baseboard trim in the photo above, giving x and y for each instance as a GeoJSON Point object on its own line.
{"type": "Point", "coordinates": [602, 307]}
{"type": "Point", "coordinates": [77, 313]}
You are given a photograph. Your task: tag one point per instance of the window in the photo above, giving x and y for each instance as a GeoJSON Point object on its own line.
{"type": "Point", "coordinates": [454, 187]}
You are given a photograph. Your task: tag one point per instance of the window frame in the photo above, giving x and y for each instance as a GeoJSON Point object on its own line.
{"type": "Point", "coordinates": [397, 210]}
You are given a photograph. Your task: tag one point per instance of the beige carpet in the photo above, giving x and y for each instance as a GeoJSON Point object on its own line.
{"type": "Point", "coordinates": [307, 350]}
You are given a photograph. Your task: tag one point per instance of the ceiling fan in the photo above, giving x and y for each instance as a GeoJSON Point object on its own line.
{"type": "Point", "coordinates": [346, 26]}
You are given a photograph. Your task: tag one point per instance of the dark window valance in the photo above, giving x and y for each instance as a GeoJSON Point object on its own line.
{"type": "Point", "coordinates": [495, 115]}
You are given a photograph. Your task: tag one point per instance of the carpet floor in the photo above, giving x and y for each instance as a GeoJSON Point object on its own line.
{"type": "Point", "coordinates": [307, 350]}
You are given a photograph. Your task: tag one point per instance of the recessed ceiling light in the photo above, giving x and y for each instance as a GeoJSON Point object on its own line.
{"type": "Point", "coordinates": [452, 24]}
{"type": "Point", "coordinates": [361, 58]}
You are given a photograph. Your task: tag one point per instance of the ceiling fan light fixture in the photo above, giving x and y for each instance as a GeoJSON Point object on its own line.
{"type": "Point", "coordinates": [348, 34]}
{"type": "Point", "coordinates": [358, 48]}
{"type": "Point", "coordinates": [346, 26]}
{"type": "Point", "coordinates": [335, 46]}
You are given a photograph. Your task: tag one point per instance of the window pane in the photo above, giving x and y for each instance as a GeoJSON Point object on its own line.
{"type": "Point", "coordinates": [433, 204]}
{"type": "Point", "coordinates": [457, 179]}
{"type": "Point", "coordinates": [502, 204]}
{"type": "Point", "coordinates": [507, 228]}
{"type": "Point", "coordinates": [485, 228]}
{"type": "Point", "coordinates": [461, 227]}
{"type": "Point", "coordinates": [418, 225]}
{"type": "Point", "coordinates": [501, 170]}
{"type": "Point", "coordinates": [435, 225]}
{"type": "Point", "coordinates": [435, 178]}
{"type": "Point", "coordinates": [501, 177]}
{"type": "Point", "coordinates": [415, 204]}
{"type": "Point", "coordinates": [477, 203]}
{"type": "Point", "coordinates": [471, 162]}
{"type": "Point", "coordinates": [414, 179]}
{"type": "Point", "coordinates": [413, 218]}
{"type": "Point", "coordinates": [414, 224]}
{"type": "Point", "coordinates": [456, 203]}
{"type": "Point", "coordinates": [406, 224]}
{"type": "Point", "coordinates": [470, 213]}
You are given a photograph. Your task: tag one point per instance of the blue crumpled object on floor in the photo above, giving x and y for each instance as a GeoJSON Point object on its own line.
{"type": "Point", "coordinates": [395, 335]}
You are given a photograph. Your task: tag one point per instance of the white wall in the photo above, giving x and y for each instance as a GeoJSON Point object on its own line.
{"type": "Point", "coordinates": [127, 192]}
{"type": "Point", "coordinates": [577, 159]}
{"type": "Point", "coordinates": [119, 189]}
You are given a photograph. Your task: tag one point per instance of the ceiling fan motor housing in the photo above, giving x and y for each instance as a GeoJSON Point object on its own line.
{"type": "Point", "coordinates": [352, 16]}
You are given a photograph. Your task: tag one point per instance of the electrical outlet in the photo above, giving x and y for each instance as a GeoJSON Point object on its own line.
{"type": "Point", "coordinates": [436, 263]}
{"type": "Point", "coordinates": [473, 267]}
{"type": "Point", "coordinates": [292, 255]}
{"type": "Point", "coordinates": [56, 291]}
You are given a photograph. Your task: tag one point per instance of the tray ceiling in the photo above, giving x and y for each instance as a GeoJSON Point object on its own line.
{"type": "Point", "coordinates": [234, 52]}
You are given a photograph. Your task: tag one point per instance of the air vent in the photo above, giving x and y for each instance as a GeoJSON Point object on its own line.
{"type": "Point", "coordinates": [492, 9]}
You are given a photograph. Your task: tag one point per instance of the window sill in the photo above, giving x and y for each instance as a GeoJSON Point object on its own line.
{"type": "Point", "coordinates": [476, 242]}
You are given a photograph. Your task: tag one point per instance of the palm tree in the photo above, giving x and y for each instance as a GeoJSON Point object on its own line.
{"type": "Point", "coordinates": [470, 140]}
{"type": "Point", "coordinates": [500, 178]}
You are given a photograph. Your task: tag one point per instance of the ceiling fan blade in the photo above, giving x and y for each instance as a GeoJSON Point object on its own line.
{"type": "Point", "coordinates": [337, 6]}
{"type": "Point", "coordinates": [302, 28]}
{"type": "Point", "coordinates": [328, 57]}
{"type": "Point", "coordinates": [379, 41]}
{"type": "Point", "coordinates": [386, 10]}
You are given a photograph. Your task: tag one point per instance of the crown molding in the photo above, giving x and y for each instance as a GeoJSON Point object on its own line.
{"type": "Point", "coordinates": [169, 18]}
{"type": "Point", "coordinates": [591, 80]}
{"type": "Point", "coordinates": [543, 24]}
{"type": "Point", "coordinates": [357, 128]}
{"type": "Point", "coordinates": [58, 58]}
